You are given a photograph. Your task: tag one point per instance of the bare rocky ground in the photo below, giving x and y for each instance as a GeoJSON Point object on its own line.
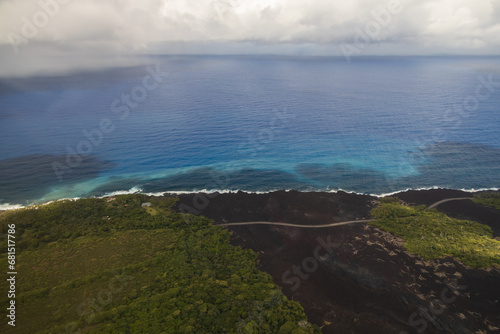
{"type": "Point", "coordinates": [357, 278]}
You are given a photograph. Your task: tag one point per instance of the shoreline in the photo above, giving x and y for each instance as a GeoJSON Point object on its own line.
{"type": "Point", "coordinates": [137, 190]}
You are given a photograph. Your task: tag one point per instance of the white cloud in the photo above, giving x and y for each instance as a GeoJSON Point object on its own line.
{"type": "Point", "coordinates": [114, 27]}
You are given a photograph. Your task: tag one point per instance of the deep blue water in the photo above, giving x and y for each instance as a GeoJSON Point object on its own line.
{"type": "Point", "coordinates": [377, 125]}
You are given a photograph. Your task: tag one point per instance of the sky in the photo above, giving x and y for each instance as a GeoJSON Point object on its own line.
{"type": "Point", "coordinates": [57, 36]}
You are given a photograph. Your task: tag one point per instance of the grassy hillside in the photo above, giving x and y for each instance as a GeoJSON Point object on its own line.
{"type": "Point", "coordinates": [101, 266]}
{"type": "Point", "coordinates": [432, 234]}
{"type": "Point", "coordinates": [488, 199]}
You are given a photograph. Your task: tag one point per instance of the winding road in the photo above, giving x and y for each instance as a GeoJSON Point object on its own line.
{"type": "Point", "coordinates": [297, 225]}
{"type": "Point", "coordinates": [432, 206]}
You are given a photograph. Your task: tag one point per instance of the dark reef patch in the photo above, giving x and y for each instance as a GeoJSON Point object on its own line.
{"type": "Point", "coordinates": [209, 178]}
{"type": "Point", "coordinates": [458, 165]}
{"type": "Point", "coordinates": [446, 165]}
{"type": "Point", "coordinates": [345, 176]}
{"type": "Point", "coordinates": [28, 178]}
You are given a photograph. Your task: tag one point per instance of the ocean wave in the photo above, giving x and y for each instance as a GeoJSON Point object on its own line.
{"type": "Point", "coordinates": [7, 206]}
{"type": "Point", "coordinates": [473, 190]}
{"type": "Point", "coordinates": [408, 189]}
{"type": "Point", "coordinates": [133, 190]}
{"type": "Point", "coordinates": [138, 190]}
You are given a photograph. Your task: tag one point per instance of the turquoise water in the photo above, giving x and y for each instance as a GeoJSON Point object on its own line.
{"type": "Point", "coordinates": [377, 125]}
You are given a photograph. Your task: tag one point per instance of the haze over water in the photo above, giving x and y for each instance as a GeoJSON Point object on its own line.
{"type": "Point", "coordinates": [253, 123]}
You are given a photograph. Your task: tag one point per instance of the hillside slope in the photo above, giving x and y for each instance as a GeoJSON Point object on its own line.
{"type": "Point", "coordinates": [114, 266]}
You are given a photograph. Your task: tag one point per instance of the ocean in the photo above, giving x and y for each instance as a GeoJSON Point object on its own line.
{"type": "Point", "coordinates": [253, 123]}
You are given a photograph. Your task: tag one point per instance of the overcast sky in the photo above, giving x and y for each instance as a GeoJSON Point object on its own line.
{"type": "Point", "coordinates": [74, 34]}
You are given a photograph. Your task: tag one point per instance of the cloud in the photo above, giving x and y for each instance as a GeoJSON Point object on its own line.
{"type": "Point", "coordinates": [116, 27]}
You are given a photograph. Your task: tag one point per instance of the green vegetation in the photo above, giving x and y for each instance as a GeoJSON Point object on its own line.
{"type": "Point", "coordinates": [388, 199]}
{"type": "Point", "coordinates": [432, 234]}
{"type": "Point", "coordinates": [491, 199]}
{"type": "Point", "coordinates": [101, 266]}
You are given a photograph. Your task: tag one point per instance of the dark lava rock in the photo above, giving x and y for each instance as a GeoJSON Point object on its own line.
{"type": "Point", "coordinates": [357, 278]}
